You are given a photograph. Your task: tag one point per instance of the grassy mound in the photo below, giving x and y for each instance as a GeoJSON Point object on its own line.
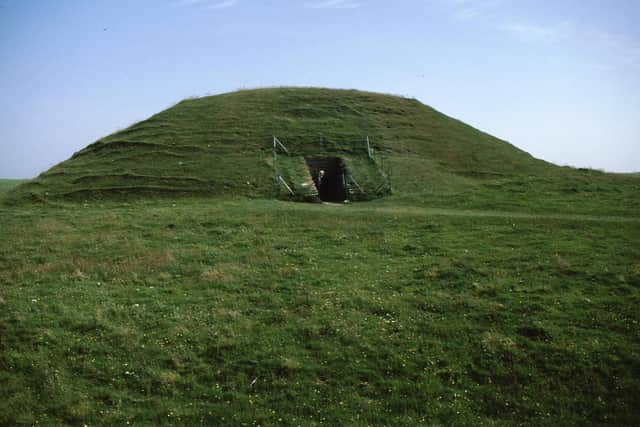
{"type": "Point", "coordinates": [222, 145]}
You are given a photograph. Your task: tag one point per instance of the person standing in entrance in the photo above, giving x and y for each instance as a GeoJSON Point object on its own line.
{"type": "Point", "coordinates": [320, 177]}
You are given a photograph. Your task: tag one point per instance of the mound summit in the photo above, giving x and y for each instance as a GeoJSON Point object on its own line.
{"type": "Point", "coordinates": [224, 144]}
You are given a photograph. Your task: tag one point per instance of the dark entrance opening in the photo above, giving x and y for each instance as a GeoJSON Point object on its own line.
{"type": "Point", "coordinates": [328, 175]}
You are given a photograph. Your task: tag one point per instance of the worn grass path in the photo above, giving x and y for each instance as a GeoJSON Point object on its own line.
{"type": "Point", "coordinates": [428, 212]}
{"type": "Point", "coordinates": [421, 211]}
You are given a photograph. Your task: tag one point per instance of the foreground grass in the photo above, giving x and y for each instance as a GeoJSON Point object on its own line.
{"type": "Point", "coordinates": [263, 312]}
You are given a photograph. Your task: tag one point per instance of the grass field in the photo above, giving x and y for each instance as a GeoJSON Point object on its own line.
{"type": "Point", "coordinates": [246, 312]}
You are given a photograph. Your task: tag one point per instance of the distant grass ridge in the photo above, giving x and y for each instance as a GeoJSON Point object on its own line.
{"type": "Point", "coordinates": [221, 145]}
{"type": "Point", "coordinates": [8, 184]}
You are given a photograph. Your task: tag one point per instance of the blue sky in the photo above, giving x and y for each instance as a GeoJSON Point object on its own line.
{"type": "Point", "coordinates": [559, 79]}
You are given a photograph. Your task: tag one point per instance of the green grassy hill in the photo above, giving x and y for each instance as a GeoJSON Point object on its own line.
{"type": "Point", "coordinates": [222, 145]}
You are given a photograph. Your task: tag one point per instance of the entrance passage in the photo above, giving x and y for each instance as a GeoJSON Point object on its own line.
{"type": "Point", "coordinates": [328, 176]}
